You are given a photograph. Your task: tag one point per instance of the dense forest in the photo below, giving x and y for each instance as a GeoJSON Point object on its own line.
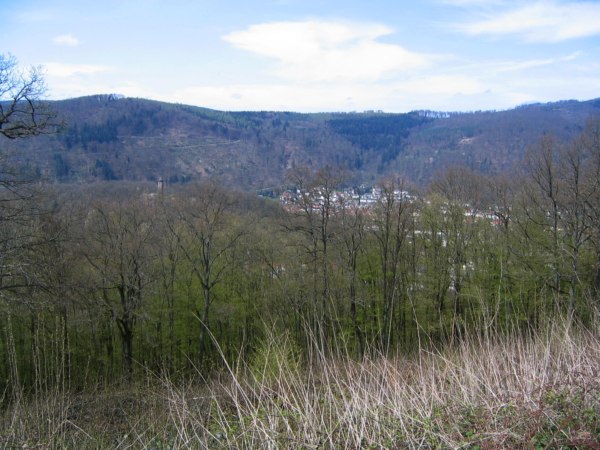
{"type": "Point", "coordinates": [109, 280]}
{"type": "Point", "coordinates": [313, 302]}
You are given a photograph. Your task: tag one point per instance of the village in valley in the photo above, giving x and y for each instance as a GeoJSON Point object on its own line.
{"type": "Point", "coordinates": [366, 198]}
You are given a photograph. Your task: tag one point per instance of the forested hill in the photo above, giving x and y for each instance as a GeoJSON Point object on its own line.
{"type": "Point", "coordinates": [107, 137]}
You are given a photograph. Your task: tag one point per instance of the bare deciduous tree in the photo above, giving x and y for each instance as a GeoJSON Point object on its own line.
{"type": "Point", "coordinates": [393, 219]}
{"type": "Point", "coordinates": [119, 250]}
{"type": "Point", "coordinates": [206, 235]}
{"type": "Point", "coordinates": [22, 112]}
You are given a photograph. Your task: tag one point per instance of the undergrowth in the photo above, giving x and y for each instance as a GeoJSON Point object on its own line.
{"type": "Point", "coordinates": [540, 391]}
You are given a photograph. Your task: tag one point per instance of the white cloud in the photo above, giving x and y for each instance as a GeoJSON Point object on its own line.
{"type": "Point", "coordinates": [319, 51]}
{"type": "Point", "coordinates": [66, 39]}
{"type": "Point", "coordinates": [487, 85]}
{"type": "Point", "coordinates": [61, 70]}
{"type": "Point", "coordinates": [427, 92]}
{"type": "Point", "coordinates": [542, 21]}
{"type": "Point", "coordinates": [517, 66]}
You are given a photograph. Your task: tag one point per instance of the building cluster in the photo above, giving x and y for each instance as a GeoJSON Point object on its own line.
{"type": "Point", "coordinates": [294, 200]}
{"type": "Point", "coordinates": [297, 200]}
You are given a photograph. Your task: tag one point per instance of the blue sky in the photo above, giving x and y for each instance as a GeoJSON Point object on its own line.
{"type": "Point", "coordinates": [312, 55]}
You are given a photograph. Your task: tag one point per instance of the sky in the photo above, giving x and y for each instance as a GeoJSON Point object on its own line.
{"type": "Point", "coordinates": [312, 55]}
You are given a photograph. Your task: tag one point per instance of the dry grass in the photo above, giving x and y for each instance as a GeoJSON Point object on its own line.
{"type": "Point", "coordinates": [519, 392]}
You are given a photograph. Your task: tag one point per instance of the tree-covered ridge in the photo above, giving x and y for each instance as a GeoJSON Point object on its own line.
{"type": "Point", "coordinates": [146, 140]}
{"type": "Point", "coordinates": [377, 131]}
{"type": "Point", "coordinates": [381, 137]}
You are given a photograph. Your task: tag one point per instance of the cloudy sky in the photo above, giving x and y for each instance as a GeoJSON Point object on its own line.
{"type": "Point", "coordinates": [312, 55]}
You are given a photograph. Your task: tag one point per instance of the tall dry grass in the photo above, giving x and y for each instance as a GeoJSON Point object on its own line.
{"type": "Point", "coordinates": [536, 391]}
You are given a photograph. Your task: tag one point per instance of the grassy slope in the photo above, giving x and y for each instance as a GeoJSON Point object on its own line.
{"type": "Point", "coordinates": [520, 392]}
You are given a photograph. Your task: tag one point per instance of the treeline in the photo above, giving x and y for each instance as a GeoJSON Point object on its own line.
{"type": "Point", "coordinates": [104, 282]}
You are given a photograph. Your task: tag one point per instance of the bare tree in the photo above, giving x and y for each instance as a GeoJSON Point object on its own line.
{"type": "Point", "coordinates": [119, 250]}
{"type": "Point", "coordinates": [462, 192]}
{"type": "Point", "coordinates": [22, 112]}
{"type": "Point", "coordinates": [500, 198]}
{"type": "Point", "coordinates": [589, 144]}
{"type": "Point", "coordinates": [542, 205]}
{"type": "Point", "coordinates": [392, 227]}
{"type": "Point", "coordinates": [352, 224]}
{"type": "Point", "coordinates": [206, 234]}
{"type": "Point", "coordinates": [316, 205]}
{"type": "Point", "coordinates": [574, 198]}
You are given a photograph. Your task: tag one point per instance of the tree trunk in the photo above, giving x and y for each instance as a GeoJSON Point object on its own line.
{"type": "Point", "coordinates": [203, 326]}
{"type": "Point", "coordinates": [126, 330]}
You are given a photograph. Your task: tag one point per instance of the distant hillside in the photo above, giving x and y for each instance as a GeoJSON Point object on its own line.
{"type": "Point", "coordinates": [490, 142]}
{"type": "Point", "coordinates": [113, 138]}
